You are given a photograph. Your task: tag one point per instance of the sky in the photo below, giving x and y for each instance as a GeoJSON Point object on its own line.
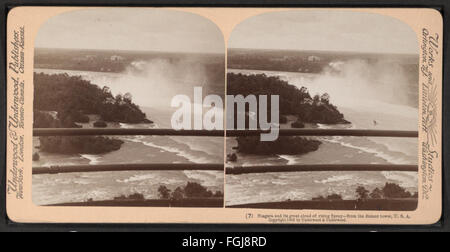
{"type": "Point", "coordinates": [131, 29]}
{"type": "Point", "coordinates": [325, 31]}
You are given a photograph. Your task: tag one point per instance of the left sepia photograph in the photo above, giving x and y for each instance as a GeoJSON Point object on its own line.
{"type": "Point", "coordinates": [106, 83]}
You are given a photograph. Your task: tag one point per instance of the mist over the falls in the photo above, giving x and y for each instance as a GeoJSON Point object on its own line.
{"type": "Point", "coordinates": [153, 83]}
{"type": "Point", "coordinates": [357, 82]}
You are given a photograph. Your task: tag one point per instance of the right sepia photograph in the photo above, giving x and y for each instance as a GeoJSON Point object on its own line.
{"type": "Point", "coordinates": [347, 89]}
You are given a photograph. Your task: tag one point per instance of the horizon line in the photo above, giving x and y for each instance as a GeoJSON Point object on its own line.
{"type": "Point", "coordinates": [320, 50]}
{"type": "Point", "coordinates": [124, 50]}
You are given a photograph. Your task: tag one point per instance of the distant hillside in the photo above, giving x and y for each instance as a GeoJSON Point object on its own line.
{"type": "Point", "coordinates": [114, 61]}
{"type": "Point", "coordinates": [211, 67]}
{"type": "Point", "coordinates": [306, 61]}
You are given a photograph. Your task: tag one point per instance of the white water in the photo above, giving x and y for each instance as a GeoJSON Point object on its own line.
{"type": "Point", "coordinates": [364, 93]}
{"type": "Point", "coordinates": [363, 100]}
{"type": "Point", "coordinates": [152, 91]}
{"type": "Point", "coordinates": [362, 97]}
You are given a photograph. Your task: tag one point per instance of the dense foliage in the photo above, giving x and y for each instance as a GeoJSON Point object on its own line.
{"type": "Point", "coordinates": [271, 60]}
{"type": "Point", "coordinates": [47, 120]}
{"type": "Point", "coordinates": [389, 191]}
{"type": "Point", "coordinates": [333, 196]}
{"type": "Point", "coordinates": [79, 145]}
{"type": "Point", "coordinates": [293, 101]}
{"type": "Point", "coordinates": [70, 144]}
{"type": "Point", "coordinates": [134, 196]}
{"type": "Point", "coordinates": [191, 190]}
{"type": "Point", "coordinates": [73, 98]}
{"type": "Point", "coordinates": [281, 146]}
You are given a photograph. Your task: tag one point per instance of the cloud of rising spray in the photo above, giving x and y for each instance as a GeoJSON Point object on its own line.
{"type": "Point", "coordinates": [358, 82]}
{"type": "Point", "coordinates": [155, 82]}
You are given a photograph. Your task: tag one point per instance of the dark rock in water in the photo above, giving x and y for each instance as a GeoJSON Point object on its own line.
{"type": "Point", "coordinates": [148, 121]}
{"type": "Point", "coordinates": [36, 157]}
{"type": "Point", "coordinates": [100, 124]}
{"type": "Point", "coordinates": [232, 157]}
{"type": "Point", "coordinates": [345, 122]}
{"type": "Point", "coordinates": [298, 125]}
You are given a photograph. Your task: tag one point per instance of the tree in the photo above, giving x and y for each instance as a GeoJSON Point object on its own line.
{"type": "Point", "coordinates": [119, 99]}
{"type": "Point", "coordinates": [318, 198]}
{"type": "Point", "coordinates": [127, 98]}
{"type": "Point", "coordinates": [106, 90]}
{"type": "Point", "coordinates": [316, 100]}
{"type": "Point", "coordinates": [325, 98]}
{"type": "Point", "coordinates": [36, 157]}
{"type": "Point", "coordinates": [193, 190]}
{"type": "Point", "coordinates": [73, 98]}
{"type": "Point", "coordinates": [218, 194]}
{"type": "Point", "coordinates": [334, 196]}
{"type": "Point", "coordinates": [136, 196]}
{"type": "Point", "coordinates": [392, 190]}
{"type": "Point", "coordinates": [178, 193]}
{"type": "Point", "coordinates": [304, 90]}
{"type": "Point", "coordinates": [362, 193]}
{"type": "Point", "coordinates": [293, 101]}
{"type": "Point", "coordinates": [376, 194]}
{"type": "Point", "coordinates": [164, 192]}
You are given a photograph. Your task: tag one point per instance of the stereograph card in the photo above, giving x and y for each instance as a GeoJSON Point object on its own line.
{"type": "Point", "coordinates": [224, 115]}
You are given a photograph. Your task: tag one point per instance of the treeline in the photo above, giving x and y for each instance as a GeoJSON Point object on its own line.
{"type": "Point", "coordinates": [191, 190]}
{"type": "Point", "coordinates": [70, 144]}
{"type": "Point", "coordinates": [79, 144]}
{"type": "Point", "coordinates": [62, 101]}
{"type": "Point", "coordinates": [117, 61]}
{"type": "Point", "coordinates": [281, 146]}
{"type": "Point", "coordinates": [389, 191]}
{"type": "Point", "coordinates": [306, 61]}
{"type": "Point", "coordinates": [72, 98]}
{"type": "Point", "coordinates": [275, 62]}
{"type": "Point", "coordinates": [293, 101]}
{"type": "Point", "coordinates": [43, 119]}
